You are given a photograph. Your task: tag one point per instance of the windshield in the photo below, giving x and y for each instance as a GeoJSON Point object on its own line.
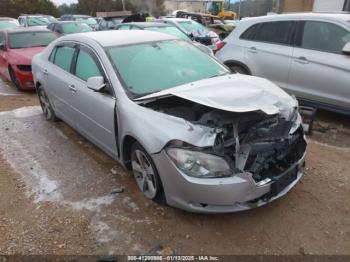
{"type": "Point", "coordinates": [151, 67]}
{"type": "Point", "coordinates": [51, 19]}
{"type": "Point", "coordinates": [193, 27]}
{"type": "Point", "coordinates": [36, 20]}
{"type": "Point", "coordinates": [71, 28]}
{"type": "Point", "coordinates": [30, 39]}
{"type": "Point", "coordinates": [8, 24]}
{"type": "Point", "coordinates": [88, 20]}
{"type": "Point", "coordinates": [171, 30]}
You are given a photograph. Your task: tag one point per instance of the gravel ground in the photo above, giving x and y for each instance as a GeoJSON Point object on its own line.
{"type": "Point", "coordinates": [59, 194]}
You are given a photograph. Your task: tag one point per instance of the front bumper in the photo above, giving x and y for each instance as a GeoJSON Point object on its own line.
{"type": "Point", "coordinates": [216, 195]}
{"type": "Point", "coordinates": [25, 79]}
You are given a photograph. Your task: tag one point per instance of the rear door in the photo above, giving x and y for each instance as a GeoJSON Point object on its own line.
{"type": "Point", "coordinates": [269, 53]}
{"type": "Point", "coordinates": [58, 80]}
{"type": "Point", "coordinates": [320, 72]}
{"type": "Point", "coordinates": [94, 112]}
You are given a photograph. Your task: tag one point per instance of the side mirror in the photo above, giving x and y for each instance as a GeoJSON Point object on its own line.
{"type": "Point", "coordinates": [2, 46]}
{"type": "Point", "coordinates": [96, 83]}
{"type": "Point", "coordinates": [346, 49]}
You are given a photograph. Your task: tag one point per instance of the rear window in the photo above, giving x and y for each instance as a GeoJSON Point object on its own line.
{"type": "Point", "coordinates": [249, 34]}
{"type": "Point", "coordinates": [30, 39]}
{"type": "Point", "coordinates": [38, 21]}
{"type": "Point", "coordinates": [8, 24]}
{"type": "Point", "coordinates": [274, 32]}
{"type": "Point", "coordinates": [193, 27]}
{"type": "Point", "coordinates": [171, 30]}
{"type": "Point", "coordinates": [72, 28]}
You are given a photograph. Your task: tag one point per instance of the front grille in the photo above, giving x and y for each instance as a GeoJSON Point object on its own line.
{"type": "Point", "coordinates": [26, 68]}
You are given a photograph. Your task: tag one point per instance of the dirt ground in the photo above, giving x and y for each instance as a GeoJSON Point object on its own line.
{"type": "Point", "coordinates": [59, 194]}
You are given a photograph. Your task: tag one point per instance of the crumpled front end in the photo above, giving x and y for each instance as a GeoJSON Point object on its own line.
{"type": "Point", "coordinates": [260, 156]}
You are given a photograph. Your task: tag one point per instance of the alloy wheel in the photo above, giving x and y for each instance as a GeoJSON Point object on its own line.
{"type": "Point", "coordinates": [144, 174]}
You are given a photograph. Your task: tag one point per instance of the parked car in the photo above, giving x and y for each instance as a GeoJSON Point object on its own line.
{"type": "Point", "coordinates": [35, 20]}
{"type": "Point", "coordinates": [194, 135]}
{"type": "Point", "coordinates": [109, 23]}
{"type": "Point", "coordinates": [17, 48]}
{"type": "Point", "coordinates": [8, 23]}
{"type": "Point", "coordinates": [81, 18]}
{"type": "Point", "coordinates": [163, 28]}
{"type": "Point", "coordinates": [195, 30]}
{"type": "Point", "coordinates": [305, 54]}
{"type": "Point", "coordinates": [69, 27]}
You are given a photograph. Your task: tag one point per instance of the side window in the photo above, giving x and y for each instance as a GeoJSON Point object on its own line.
{"type": "Point", "coordinates": [324, 36]}
{"type": "Point", "coordinates": [275, 32]}
{"type": "Point", "coordinates": [62, 57]}
{"type": "Point", "coordinates": [1, 37]}
{"type": "Point", "coordinates": [86, 66]}
{"type": "Point", "coordinates": [249, 34]}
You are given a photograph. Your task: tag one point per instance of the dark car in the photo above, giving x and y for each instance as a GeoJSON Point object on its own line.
{"type": "Point", "coordinates": [69, 27]}
{"type": "Point", "coordinates": [81, 18]}
{"type": "Point", "coordinates": [109, 23]}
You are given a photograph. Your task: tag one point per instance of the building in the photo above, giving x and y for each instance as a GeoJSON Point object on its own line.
{"type": "Point", "coordinates": [331, 6]}
{"type": "Point", "coordinates": [289, 6]}
{"type": "Point", "coordinates": [187, 5]}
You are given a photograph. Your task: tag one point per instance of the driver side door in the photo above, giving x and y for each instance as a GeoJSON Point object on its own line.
{"type": "Point", "coordinates": [93, 112]}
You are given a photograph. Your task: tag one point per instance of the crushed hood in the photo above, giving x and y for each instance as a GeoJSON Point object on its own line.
{"type": "Point", "coordinates": [234, 93]}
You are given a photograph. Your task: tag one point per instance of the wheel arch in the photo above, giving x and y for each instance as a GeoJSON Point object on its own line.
{"type": "Point", "coordinates": [229, 63]}
{"type": "Point", "coordinates": [127, 143]}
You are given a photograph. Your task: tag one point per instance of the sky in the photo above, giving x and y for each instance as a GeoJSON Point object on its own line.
{"type": "Point", "coordinates": [59, 2]}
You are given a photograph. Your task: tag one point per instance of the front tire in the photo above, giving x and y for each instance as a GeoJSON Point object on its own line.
{"type": "Point", "coordinates": [14, 79]}
{"type": "Point", "coordinates": [48, 111]}
{"type": "Point", "coordinates": [146, 174]}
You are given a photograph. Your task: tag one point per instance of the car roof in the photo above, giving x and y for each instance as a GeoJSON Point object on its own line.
{"type": "Point", "coordinates": [176, 19]}
{"type": "Point", "coordinates": [147, 24]}
{"type": "Point", "coordinates": [119, 37]}
{"type": "Point", "coordinates": [68, 22]}
{"type": "Point", "coordinates": [6, 18]}
{"type": "Point", "coordinates": [298, 16]}
{"type": "Point", "coordinates": [26, 29]}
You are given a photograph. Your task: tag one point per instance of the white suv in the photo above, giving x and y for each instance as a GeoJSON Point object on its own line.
{"type": "Point", "coordinates": [306, 54]}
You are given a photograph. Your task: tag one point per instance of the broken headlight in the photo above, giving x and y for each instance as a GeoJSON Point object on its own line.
{"type": "Point", "coordinates": [198, 164]}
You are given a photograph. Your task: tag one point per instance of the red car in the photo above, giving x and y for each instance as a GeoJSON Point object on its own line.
{"type": "Point", "coordinates": [17, 48]}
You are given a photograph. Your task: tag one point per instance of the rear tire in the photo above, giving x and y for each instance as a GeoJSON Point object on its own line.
{"type": "Point", "coordinates": [146, 174]}
{"type": "Point", "coordinates": [238, 69]}
{"type": "Point", "coordinates": [48, 111]}
{"type": "Point", "coordinates": [14, 79]}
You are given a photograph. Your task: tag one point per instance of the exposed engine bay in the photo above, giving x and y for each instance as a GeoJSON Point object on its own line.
{"type": "Point", "coordinates": [253, 142]}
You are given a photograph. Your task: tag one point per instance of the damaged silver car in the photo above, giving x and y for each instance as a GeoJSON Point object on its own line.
{"type": "Point", "coordinates": [195, 136]}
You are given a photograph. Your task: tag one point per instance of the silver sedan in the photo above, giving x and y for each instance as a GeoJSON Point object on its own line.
{"type": "Point", "coordinates": [195, 136]}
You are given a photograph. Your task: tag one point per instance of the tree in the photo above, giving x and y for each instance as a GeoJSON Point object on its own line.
{"type": "Point", "coordinates": [153, 7]}
{"type": "Point", "coordinates": [68, 9]}
{"type": "Point", "coordinates": [14, 8]}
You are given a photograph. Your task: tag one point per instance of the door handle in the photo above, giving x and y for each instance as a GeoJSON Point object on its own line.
{"type": "Point", "coordinates": [302, 60]}
{"type": "Point", "coordinates": [253, 50]}
{"type": "Point", "coordinates": [45, 72]}
{"type": "Point", "coordinates": [72, 88]}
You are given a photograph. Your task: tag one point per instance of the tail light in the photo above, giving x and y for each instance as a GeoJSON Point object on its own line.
{"type": "Point", "coordinates": [219, 45]}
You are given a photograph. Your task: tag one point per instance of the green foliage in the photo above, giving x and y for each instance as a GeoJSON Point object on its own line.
{"type": "Point", "coordinates": [13, 8]}
{"type": "Point", "coordinates": [154, 7]}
